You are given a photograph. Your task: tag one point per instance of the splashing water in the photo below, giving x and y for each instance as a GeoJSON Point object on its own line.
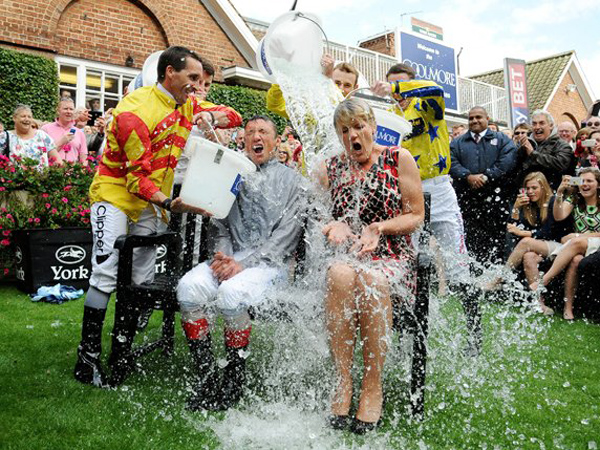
{"type": "Point", "coordinates": [290, 373]}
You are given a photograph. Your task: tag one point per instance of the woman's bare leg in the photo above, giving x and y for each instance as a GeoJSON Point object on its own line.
{"type": "Point", "coordinates": [571, 280]}
{"type": "Point", "coordinates": [375, 319]}
{"type": "Point", "coordinates": [576, 246]}
{"type": "Point", "coordinates": [516, 258]}
{"type": "Point", "coordinates": [341, 319]}
{"type": "Point", "coordinates": [524, 246]}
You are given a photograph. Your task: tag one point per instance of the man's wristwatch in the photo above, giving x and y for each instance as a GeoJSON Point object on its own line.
{"type": "Point", "coordinates": [166, 204]}
{"type": "Point", "coordinates": [213, 122]}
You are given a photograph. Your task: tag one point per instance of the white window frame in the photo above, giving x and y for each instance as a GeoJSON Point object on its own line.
{"type": "Point", "coordinates": [83, 65]}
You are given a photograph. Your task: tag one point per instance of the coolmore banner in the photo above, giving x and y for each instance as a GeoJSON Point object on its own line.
{"type": "Point", "coordinates": [515, 81]}
{"type": "Point", "coordinates": [431, 61]}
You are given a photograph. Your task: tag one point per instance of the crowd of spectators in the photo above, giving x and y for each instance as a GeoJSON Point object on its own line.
{"type": "Point", "coordinates": [511, 193]}
{"type": "Point", "coordinates": [528, 197]}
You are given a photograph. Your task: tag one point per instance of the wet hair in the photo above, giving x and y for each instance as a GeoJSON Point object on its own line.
{"type": "Point", "coordinates": [352, 109]}
{"type": "Point", "coordinates": [175, 57]}
{"type": "Point", "coordinates": [542, 203]}
{"type": "Point", "coordinates": [208, 68]}
{"type": "Point", "coordinates": [21, 107]}
{"type": "Point", "coordinates": [266, 119]}
{"type": "Point", "coordinates": [542, 112]}
{"type": "Point", "coordinates": [401, 68]}
{"type": "Point", "coordinates": [348, 68]}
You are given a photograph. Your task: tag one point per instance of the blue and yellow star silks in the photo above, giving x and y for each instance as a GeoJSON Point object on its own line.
{"type": "Point", "coordinates": [429, 142]}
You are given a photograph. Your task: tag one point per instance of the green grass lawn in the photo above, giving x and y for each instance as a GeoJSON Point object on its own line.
{"type": "Point", "coordinates": [536, 386]}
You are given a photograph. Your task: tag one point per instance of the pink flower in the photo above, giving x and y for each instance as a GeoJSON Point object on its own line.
{"type": "Point", "coordinates": [45, 195]}
{"type": "Point", "coordinates": [48, 205]}
{"type": "Point", "coordinates": [6, 232]}
{"type": "Point", "coordinates": [65, 200]}
{"type": "Point", "coordinates": [6, 271]}
{"type": "Point", "coordinates": [53, 210]}
{"type": "Point", "coordinates": [5, 242]}
{"type": "Point", "coordinates": [2, 188]}
{"type": "Point", "coordinates": [67, 188]}
{"type": "Point", "coordinates": [9, 216]}
{"type": "Point", "coordinates": [36, 220]}
{"type": "Point", "coordinates": [30, 220]}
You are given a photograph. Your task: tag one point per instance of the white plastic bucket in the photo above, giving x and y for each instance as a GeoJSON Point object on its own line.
{"type": "Point", "coordinates": [262, 63]}
{"type": "Point", "coordinates": [296, 40]}
{"type": "Point", "coordinates": [391, 128]}
{"type": "Point", "coordinates": [213, 177]}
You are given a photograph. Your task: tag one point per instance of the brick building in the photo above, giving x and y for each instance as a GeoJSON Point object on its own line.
{"type": "Point", "coordinates": [101, 45]}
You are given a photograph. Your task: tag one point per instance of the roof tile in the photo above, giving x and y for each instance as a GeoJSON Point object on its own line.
{"type": "Point", "coordinates": [542, 77]}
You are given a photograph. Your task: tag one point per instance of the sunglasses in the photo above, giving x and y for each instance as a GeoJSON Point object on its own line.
{"type": "Point", "coordinates": [516, 133]}
{"type": "Point", "coordinates": [593, 124]}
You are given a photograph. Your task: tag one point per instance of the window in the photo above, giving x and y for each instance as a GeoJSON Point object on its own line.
{"type": "Point", "coordinates": [95, 86]}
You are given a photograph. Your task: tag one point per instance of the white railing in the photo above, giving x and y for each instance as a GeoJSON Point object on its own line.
{"type": "Point", "coordinates": [471, 93]}
{"type": "Point", "coordinates": [371, 64]}
{"type": "Point", "coordinates": [475, 93]}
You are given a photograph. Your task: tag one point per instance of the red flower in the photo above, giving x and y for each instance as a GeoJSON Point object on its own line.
{"type": "Point", "coordinates": [5, 242]}
{"type": "Point", "coordinates": [6, 232]}
{"type": "Point", "coordinates": [45, 195]}
{"type": "Point", "coordinates": [6, 271]}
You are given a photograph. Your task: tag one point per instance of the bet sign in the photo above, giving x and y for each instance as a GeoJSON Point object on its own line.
{"type": "Point", "coordinates": [515, 80]}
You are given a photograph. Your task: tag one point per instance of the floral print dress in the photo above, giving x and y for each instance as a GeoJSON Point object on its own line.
{"type": "Point", "coordinates": [36, 148]}
{"type": "Point", "coordinates": [375, 196]}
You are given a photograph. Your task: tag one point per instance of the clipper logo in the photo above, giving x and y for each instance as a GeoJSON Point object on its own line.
{"type": "Point", "coordinates": [99, 228]}
{"type": "Point", "coordinates": [70, 254]}
{"type": "Point", "coordinates": [387, 137]}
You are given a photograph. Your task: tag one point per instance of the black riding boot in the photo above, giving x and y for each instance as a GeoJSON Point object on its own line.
{"type": "Point", "coordinates": [207, 390]}
{"type": "Point", "coordinates": [234, 377]}
{"type": "Point", "coordinates": [87, 368]}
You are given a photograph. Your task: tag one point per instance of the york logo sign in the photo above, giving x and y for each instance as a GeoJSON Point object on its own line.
{"type": "Point", "coordinates": [160, 265]}
{"type": "Point", "coordinates": [67, 256]}
{"type": "Point", "coordinates": [70, 254]}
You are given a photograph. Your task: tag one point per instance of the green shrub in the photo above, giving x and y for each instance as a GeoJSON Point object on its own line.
{"type": "Point", "coordinates": [30, 80]}
{"type": "Point", "coordinates": [247, 101]}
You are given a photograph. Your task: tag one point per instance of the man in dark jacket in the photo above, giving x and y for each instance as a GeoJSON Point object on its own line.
{"type": "Point", "coordinates": [550, 155]}
{"type": "Point", "coordinates": [481, 162]}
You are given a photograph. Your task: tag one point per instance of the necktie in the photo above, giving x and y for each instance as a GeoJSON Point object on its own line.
{"type": "Point", "coordinates": [476, 138]}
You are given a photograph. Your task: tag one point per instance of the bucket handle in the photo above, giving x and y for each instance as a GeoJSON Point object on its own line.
{"type": "Point", "coordinates": [303, 16]}
{"type": "Point", "coordinates": [212, 129]}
